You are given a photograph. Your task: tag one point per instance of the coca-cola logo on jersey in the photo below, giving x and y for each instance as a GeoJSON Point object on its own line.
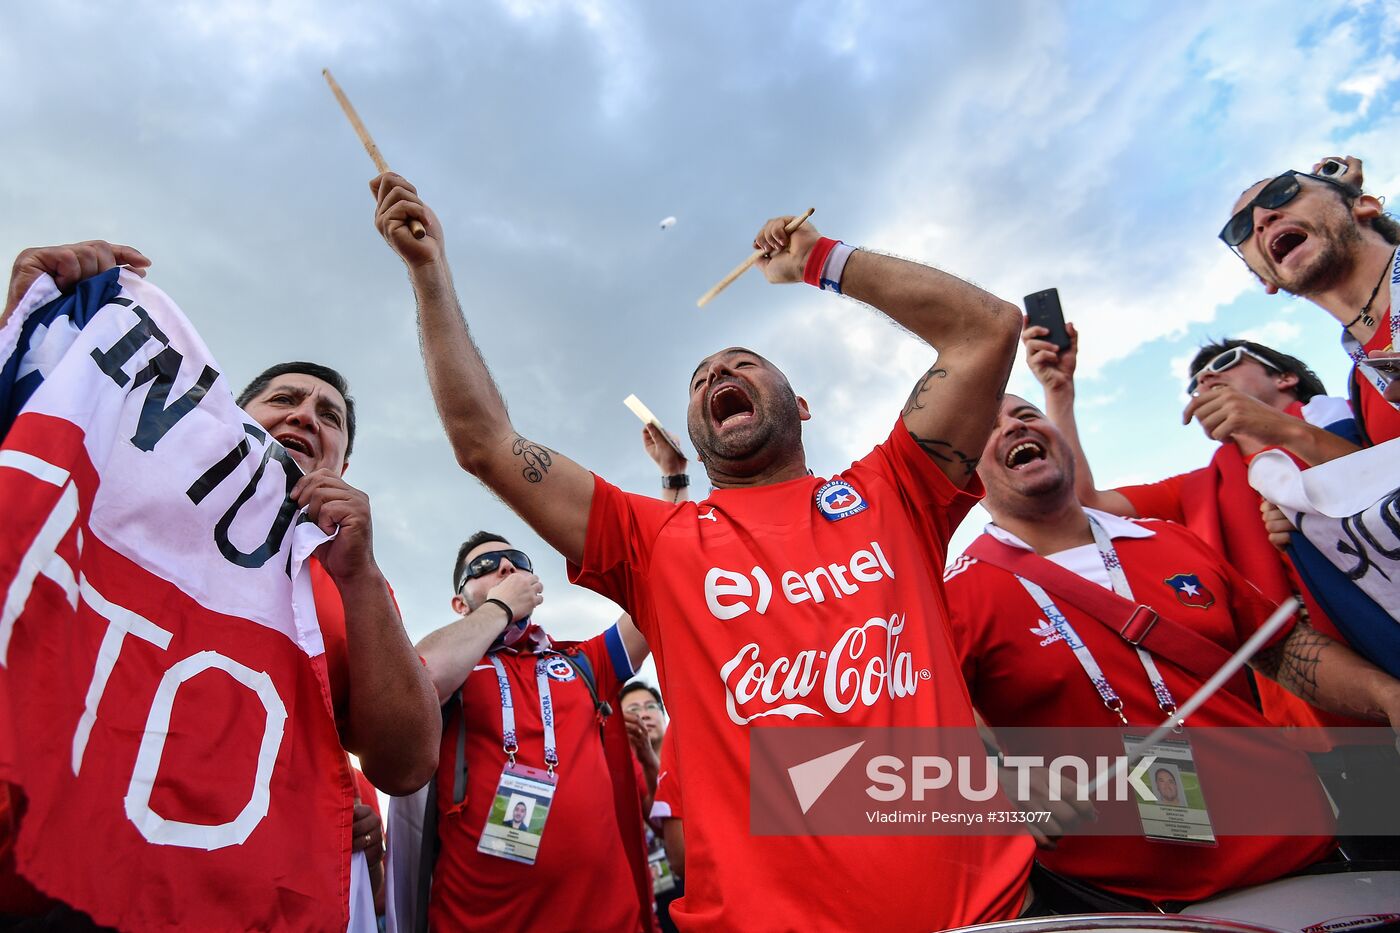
{"type": "Point", "coordinates": [864, 665]}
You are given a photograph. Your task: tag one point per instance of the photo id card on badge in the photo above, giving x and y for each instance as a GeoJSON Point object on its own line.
{"type": "Point", "coordinates": [1174, 808]}
{"type": "Point", "coordinates": [515, 822]}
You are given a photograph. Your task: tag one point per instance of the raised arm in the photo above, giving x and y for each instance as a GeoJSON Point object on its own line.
{"type": "Point", "coordinates": [551, 492]}
{"type": "Point", "coordinates": [1054, 369]}
{"type": "Point", "coordinates": [953, 405]}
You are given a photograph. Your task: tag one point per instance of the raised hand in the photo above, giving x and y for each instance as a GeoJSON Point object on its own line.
{"type": "Point", "coordinates": [69, 265]}
{"type": "Point", "coordinates": [787, 252]}
{"type": "Point", "coordinates": [397, 203]}
{"type": "Point", "coordinates": [1053, 367]}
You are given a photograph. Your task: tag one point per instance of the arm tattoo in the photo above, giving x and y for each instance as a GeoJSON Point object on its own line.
{"type": "Point", "coordinates": [1294, 663]}
{"type": "Point", "coordinates": [537, 458]}
{"type": "Point", "coordinates": [946, 453]}
{"type": "Point", "coordinates": [916, 397]}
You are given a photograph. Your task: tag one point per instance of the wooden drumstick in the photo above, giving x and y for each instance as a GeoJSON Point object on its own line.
{"type": "Point", "coordinates": [414, 226]}
{"type": "Point", "coordinates": [742, 267]}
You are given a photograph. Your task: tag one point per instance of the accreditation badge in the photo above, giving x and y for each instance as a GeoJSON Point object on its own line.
{"type": "Point", "coordinates": [663, 880]}
{"type": "Point", "coordinates": [1174, 809]}
{"type": "Point", "coordinates": [515, 821]}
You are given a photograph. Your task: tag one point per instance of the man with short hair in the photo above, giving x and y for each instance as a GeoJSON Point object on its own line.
{"type": "Point", "coordinates": [1250, 398]}
{"type": "Point", "coordinates": [1077, 669]}
{"type": "Point", "coordinates": [527, 715]}
{"type": "Point", "coordinates": [776, 570]}
{"type": "Point", "coordinates": [382, 697]}
{"type": "Point", "coordinates": [1317, 235]}
{"type": "Point", "coordinates": [642, 700]}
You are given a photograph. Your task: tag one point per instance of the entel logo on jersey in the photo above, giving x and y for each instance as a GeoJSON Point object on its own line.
{"type": "Point", "coordinates": [864, 566]}
{"type": "Point", "coordinates": [559, 669]}
{"type": "Point", "coordinates": [838, 499]}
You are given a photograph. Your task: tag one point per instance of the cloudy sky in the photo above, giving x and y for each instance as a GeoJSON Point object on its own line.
{"type": "Point", "coordinates": [1095, 147]}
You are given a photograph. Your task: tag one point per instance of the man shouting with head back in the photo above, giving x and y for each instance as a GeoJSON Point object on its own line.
{"type": "Point", "coordinates": [749, 597]}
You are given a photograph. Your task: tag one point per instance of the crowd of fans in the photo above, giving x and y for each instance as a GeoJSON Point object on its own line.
{"type": "Point", "coordinates": [556, 799]}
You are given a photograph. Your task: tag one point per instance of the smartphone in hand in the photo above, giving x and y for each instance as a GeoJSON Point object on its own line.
{"type": "Point", "coordinates": [1043, 310]}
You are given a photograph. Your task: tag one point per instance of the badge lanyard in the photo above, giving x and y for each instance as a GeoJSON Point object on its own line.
{"type": "Point", "coordinates": [1357, 352]}
{"type": "Point", "coordinates": [1086, 659]}
{"type": "Point", "coordinates": [509, 741]}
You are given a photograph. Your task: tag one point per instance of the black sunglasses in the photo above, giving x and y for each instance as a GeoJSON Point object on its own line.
{"type": "Point", "coordinates": [1276, 193]}
{"type": "Point", "coordinates": [486, 563]}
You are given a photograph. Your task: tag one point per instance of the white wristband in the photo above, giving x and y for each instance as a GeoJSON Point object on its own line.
{"type": "Point", "coordinates": [835, 266]}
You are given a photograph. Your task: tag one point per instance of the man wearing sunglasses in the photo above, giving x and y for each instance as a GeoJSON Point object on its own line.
{"type": "Point", "coordinates": [1249, 397]}
{"type": "Point", "coordinates": [591, 864]}
{"type": "Point", "coordinates": [1316, 235]}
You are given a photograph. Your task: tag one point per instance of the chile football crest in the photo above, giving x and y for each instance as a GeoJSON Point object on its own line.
{"type": "Point", "coordinates": [559, 669]}
{"type": "Point", "coordinates": [1190, 591]}
{"type": "Point", "coordinates": [838, 499]}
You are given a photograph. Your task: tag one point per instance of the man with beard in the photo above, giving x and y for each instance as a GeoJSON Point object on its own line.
{"type": "Point", "coordinates": [1041, 677]}
{"type": "Point", "coordinates": [1319, 237]}
{"type": "Point", "coordinates": [775, 565]}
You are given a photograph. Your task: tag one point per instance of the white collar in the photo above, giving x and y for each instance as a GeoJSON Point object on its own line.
{"type": "Point", "coordinates": [1115, 525]}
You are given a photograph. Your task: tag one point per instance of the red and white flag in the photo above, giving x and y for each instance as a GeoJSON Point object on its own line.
{"type": "Point", "coordinates": [164, 704]}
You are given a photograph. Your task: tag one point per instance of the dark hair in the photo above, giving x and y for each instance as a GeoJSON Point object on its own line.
{"type": "Point", "coordinates": [1308, 385]}
{"type": "Point", "coordinates": [469, 545]}
{"type": "Point", "coordinates": [1388, 227]}
{"type": "Point", "coordinates": [327, 375]}
{"type": "Point", "coordinates": [633, 686]}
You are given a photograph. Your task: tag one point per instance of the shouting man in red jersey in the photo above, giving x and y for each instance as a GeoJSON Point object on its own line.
{"type": "Point", "coordinates": [776, 565]}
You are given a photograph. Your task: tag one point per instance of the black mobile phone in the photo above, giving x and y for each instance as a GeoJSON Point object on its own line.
{"type": "Point", "coordinates": [1043, 310]}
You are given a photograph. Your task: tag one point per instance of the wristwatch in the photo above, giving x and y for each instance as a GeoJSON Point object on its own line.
{"type": "Point", "coordinates": [675, 481]}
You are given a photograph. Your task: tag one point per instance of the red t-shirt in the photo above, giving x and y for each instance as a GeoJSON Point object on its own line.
{"type": "Point", "coordinates": [1381, 418]}
{"type": "Point", "coordinates": [581, 877]}
{"type": "Point", "coordinates": [667, 804]}
{"type": "Point", "coordinates": [757, 575]}
{"type": "Point", "coordinates": [1018, 681]}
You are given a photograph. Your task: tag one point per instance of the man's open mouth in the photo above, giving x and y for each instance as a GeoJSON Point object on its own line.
{"type": "Point", "coordinates": [729, 402]}
{"type": "Point", "coordinates": [1285, 243]}
{"type": "Point", "coordinates": [1023, 454]}
{"type": "Point", "coordinates": [295, 444]}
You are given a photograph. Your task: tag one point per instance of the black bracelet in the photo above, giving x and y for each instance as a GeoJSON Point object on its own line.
{"type": "Point", "coordinates": [510, 616]}
{"type": "Point", "coordinates": [675, 481]}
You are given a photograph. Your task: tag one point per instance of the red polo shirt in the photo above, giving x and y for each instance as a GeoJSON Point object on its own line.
{"type": "Point", "coordinates": [581, 878]}
{"type": "Point", "coordinates": [1020, 678]}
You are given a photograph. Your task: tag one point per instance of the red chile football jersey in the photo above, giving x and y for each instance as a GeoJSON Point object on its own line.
{"type": "Point", "coordinates": [824, 598]}
{"type": "Point", "coordinates": [1022, 674]}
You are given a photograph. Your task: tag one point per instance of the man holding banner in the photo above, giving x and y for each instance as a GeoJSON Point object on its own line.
{"type": "Point", "coordinates": [178, 640]}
